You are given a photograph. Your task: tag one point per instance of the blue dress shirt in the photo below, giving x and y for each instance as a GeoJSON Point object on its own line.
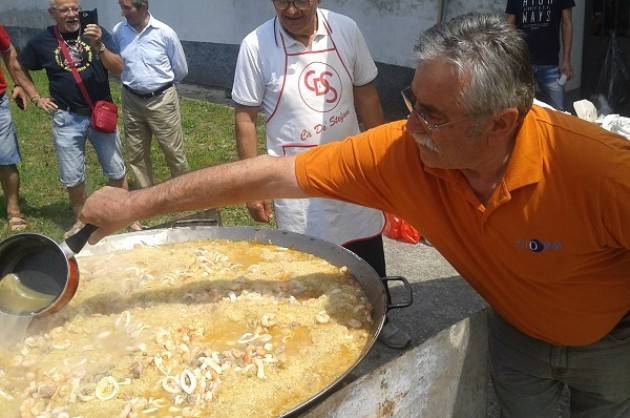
{"type": "Point", "coordinates": [152, 57]}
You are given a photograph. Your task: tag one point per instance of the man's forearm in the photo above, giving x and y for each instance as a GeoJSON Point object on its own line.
{"type": "Point", "coordinates": [18, 75]}
{"type": "Point", "coordinates": [245, 130]}
{"type": "Point", "coordinates": [112, 62]}
{"type": "Point", "coordinates": [567, 35]}
{"type": "Point", "coordinates": [258, 178]}
{"type": "Point", "coordinates": [368, 106]}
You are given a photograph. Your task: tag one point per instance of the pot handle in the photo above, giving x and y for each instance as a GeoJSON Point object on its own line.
{"type": "Point", "coordinates": [407, 287]}
{"type": "Point", "coordinates": [78, 240]}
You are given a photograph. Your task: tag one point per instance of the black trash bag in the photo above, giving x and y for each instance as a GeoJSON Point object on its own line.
{"type": "Point", "coordinates": [612, 94]}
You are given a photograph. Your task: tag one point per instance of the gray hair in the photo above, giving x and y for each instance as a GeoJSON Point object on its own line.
{"type": "Point", "coordinates": [140, 3]}
{"type": "Point", "coordinates": [489, 55]}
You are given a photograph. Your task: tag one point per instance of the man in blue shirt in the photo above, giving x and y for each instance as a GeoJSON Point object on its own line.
{"type": "Point", "coordinates": [153, 59]}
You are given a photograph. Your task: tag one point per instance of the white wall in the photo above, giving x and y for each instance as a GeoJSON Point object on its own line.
{"type": "Point", "coordinates": [390, 27]}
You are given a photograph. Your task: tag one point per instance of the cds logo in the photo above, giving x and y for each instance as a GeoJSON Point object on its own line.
{"type": "Point", "coordinates": [320, 87]}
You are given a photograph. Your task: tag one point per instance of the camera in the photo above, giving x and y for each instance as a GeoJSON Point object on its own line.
{"type": "Point", "coordinates": [88, 17]}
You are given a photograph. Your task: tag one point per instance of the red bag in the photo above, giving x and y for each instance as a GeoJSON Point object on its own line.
{"type": "Point", "coordinates": [400, 230]}
{"type": "Point", "coordinates": [105, 116]}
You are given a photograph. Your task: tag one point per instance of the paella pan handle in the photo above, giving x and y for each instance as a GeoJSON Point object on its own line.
{"type": "Point", "coordinates": [407, 287]}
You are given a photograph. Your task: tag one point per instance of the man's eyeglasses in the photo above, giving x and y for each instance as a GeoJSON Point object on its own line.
{"type": "Point", "coordinates": [298, 4]}
{"type": "Point", "coordinates": [67, 10]}
{"type": "Point", "coordinates": [410, 102]}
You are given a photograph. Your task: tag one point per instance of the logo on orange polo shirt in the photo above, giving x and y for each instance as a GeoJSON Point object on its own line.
{"type": "Point", "coordinates": [538, 246]}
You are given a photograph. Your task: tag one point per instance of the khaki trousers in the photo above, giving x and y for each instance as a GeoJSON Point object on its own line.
{"type": "Point", "coordinates": [157, 116]}
{"type": "Point", "coordinates": [531, 376]}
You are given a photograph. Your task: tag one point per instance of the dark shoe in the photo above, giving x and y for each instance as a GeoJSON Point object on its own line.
{"type": "Point", "coordinates": [394, 337]}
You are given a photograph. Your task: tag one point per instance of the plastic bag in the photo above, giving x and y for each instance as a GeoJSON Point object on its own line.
{"type": "Point", "coordinates": [400, 230]}
{"type": "Point", "coordinates": [613, 86]}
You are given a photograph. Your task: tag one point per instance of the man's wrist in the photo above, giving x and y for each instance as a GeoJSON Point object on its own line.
{"type": "Point", "coordinates": [35, 99]}
{"type": "Point", "coordinates": [101, 48]}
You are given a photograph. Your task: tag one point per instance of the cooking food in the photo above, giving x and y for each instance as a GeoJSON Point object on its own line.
{"type": "Point", "coordinates": [206, 328]}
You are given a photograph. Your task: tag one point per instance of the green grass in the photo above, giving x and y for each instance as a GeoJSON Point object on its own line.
{"type": "Point", "coordinates": [209, 140]}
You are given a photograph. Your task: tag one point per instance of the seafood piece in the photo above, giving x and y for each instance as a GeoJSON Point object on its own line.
{"type": "Point", "coordinates": [107, 388]}
{"type": "Point", "coordinates": [322, 317]}
{"type": "Point", "coordinates": [355, 323]}
{"type": "Point", "coordinates": [268, 320]}
{"type": "Point", "coordinates": [247, 338]}
{"type": "Point", "coordinates": [5, 395]}
{"type": "Point", "coordinates": [188, 382]}
{"type": "Point", "coordinates": [124, 319]}
{"type": "Point", "coordinates": [209, 362]}
{"type": "Point", "coordinates": [260, 372]}
{"type": "Point", "coordinates": [170, 384]}
{"type": "Point", "coordinates": [46, 391]}
{"type": "Point", "coordinates": [136, 369]}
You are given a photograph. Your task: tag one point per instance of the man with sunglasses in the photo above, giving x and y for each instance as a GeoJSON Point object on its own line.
{"type": "Point", "coordinates": [307, 70]}
{"type": "Point", "coordinates": [93, 54]}
{"type": "Point", "coordinates": [530, 205]}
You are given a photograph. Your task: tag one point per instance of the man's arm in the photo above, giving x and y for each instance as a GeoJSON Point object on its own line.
{"type": "Point", "coordinates": [247, 143]}
{"type": "Point", "coordinates": [178, 58]}
{"type": "Point", "coordinates": [260, 178]}
{"type": "Point", "coordinates": [567, 43]}
{"type": "Point", "coordinates": [111, 61]}
{"type": "Point", "coordinates": [368, 105]}
{"type": "Point", "coordinates": [22, 84]}
{"type": "Point", "coordinates": [511, 19]}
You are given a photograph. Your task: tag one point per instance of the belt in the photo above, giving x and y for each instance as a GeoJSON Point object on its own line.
{"type": "Point", "coordinates": [81, 111]}
{"type": "Point", "coordinates": [149, 95]}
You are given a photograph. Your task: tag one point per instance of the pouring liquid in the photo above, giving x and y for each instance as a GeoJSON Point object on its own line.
{"type": "Point", "coordinates": [17, 299]}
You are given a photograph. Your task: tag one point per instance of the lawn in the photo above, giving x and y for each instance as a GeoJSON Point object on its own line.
{"type": "Point", "coordinates": [209, 140]}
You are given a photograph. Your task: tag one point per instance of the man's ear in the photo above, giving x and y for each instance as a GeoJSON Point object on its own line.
{"type": "Point", "coordinates": [504, 123]}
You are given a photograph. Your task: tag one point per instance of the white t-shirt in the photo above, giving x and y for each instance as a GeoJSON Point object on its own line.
{"type": "Point", "coordinates": [260, 64]}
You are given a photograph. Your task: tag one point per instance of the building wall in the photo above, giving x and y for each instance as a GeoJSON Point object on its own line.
{"type": "Point", "coordinates": [211, 31]}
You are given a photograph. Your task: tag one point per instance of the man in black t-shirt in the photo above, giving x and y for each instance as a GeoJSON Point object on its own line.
{"type": "Point", "coordinates": [93, 54]}
{"type": "Point", "coordinates": [541, 21]}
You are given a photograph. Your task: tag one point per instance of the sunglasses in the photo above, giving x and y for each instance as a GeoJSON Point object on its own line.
{"type": "Point", "coordinates": [66, 10]}
{"type": "Point", "coordinates": [298, 4]}
{"type": "Point", "coordinates": [410, 102]}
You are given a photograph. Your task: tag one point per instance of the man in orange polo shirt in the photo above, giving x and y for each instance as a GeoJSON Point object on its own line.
{"type": "Point", "coordinates": [529, 205]}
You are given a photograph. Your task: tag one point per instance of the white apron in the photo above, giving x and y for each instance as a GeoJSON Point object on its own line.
{"type": "Point", "coordinates": [316, 106]}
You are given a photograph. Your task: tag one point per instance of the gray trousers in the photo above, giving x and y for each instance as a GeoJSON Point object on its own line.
{"type": "Point", "coordinates": [530, 376]}
{"type": "Point", "coordinates": [159, 116]}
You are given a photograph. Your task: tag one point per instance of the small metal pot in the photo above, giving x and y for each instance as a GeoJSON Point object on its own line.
{"type": "Point", "coordinates": [43, 266]}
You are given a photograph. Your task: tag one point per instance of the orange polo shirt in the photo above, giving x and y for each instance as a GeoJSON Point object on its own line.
{"type": "Point", "coordinates": [550, 252]}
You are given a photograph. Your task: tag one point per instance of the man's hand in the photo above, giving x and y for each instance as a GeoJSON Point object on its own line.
{"type": "Point", "coordinates": [45, 103]}
{"type": "Point", "coordinates": [94, 34]}
{"type": "Point", "coordinates": [566, 69]}
{"type": "Point", "coordinates": [110, 209]}
{"type": "Point", "coordinates": [20, 97]}
{"type": "Point", "coordinates": [260, 210]}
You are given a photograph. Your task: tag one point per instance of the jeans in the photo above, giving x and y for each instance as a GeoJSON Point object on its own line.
{"type": "Point", "coordinates": [548, 89]}
{"type": "Point", "coordinates": [9, 149]}
{"type": "Point", "coordinates": [70, 133]}
{"type": "Point", "coordinates": [530, 375]}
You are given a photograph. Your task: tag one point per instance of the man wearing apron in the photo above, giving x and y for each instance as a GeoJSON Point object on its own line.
{"type": "Point", "coordinates": [307, 69]}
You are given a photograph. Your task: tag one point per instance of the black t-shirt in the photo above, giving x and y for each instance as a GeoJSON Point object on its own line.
{"type": "Point", "coordinates": [43, 52]}
{"type": "Point", "coordinates": [540, 22]}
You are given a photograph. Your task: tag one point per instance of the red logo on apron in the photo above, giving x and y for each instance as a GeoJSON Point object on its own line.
{"type": "Point", "coordinates": [320, 87]}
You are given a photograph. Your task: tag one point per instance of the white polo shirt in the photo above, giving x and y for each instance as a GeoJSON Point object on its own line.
{"type": "Point", "coordinates": [260, 64]}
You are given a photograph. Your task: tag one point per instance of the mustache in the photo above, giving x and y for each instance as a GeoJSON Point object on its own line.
{"type": "Point", "coordinates": [425, 141]}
